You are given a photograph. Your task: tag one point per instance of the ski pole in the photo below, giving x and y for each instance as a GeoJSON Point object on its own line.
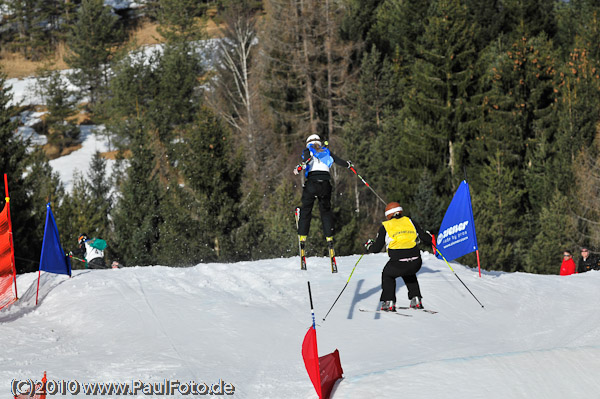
{"type": "Point", "coordinates": [458, 277]}
{"type": "Point", "coordinates": [79, 259]}
{"type": "Point", "coordinates": [367, 184]}
{"type": "Point", "coordinates": [312, 309]}
{"type": "Point", "coordinates": [338, 297]}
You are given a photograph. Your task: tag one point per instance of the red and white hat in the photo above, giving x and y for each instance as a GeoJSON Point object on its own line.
{"type": "Point", "coordinates": [391, 209]}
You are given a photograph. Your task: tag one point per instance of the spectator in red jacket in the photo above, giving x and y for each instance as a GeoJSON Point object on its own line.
{"type": "Point", "coordinates": [568, 264]}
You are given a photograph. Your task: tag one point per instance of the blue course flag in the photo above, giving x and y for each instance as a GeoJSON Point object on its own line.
{"type": "Point", "coordinates": [53, 258]}
{"type": "Point", "coordinates": [456, 236]}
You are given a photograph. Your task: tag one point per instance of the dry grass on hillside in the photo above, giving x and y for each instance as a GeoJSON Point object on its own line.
{"type": "Point", "coordinates": [146, 34]}
{"type": "Point", "coordinates": [15, 65]}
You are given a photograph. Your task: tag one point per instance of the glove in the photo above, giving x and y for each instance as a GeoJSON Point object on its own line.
{"type": "Point", "coordinates": [350, 164]}
{"type": "Point", "coordinates": [369, 244]}
{"type": "Point", "coordinates": [297, 169]}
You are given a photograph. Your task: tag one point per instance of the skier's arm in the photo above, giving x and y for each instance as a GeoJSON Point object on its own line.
{"type": "Point", "coordinates": [339, 161]}
{"type": "Point", "coordinates": [305, 160]}
{"type": "Point", "coordinates": [379, 241]}
{"type": "Point", "coordinates": [305, 155]}
{"type": "Point", "coordinates": [79, 252]}
{"type": "Point", "coordinates": [423, 235]}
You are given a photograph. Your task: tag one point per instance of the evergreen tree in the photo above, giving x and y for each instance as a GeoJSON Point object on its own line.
{"type": "Point", "coordinates": [137, 217]}
{"type": "Point", "coordinates": [35, 27]}
{"type": "Point", "coordinates": [279, 222]}
{"type": "Point", "coordinates": [489, 17]}
{"type": "Point", "coordinates": [99, 196]}
{"type": "Point", "coordinates": [516, 117]}
{"type": "Point", "coordinates": [174, 100]}
{"type": "Point", "coordinates": [72, 216]}
{"type": "Point", "coordinates": [86, 208]}
{"type": "Point", "coordinates": [530, 17]}
{"type": "Point", "coordinates": [158, 93]}
{"type": "Point", "coordinates": [183, 231]}
{"type": "Point", "coordinates": [374, 102]}
{"type": "Point", "coordinates": [212, 173]}
{"type": "Point", "coordinates": [586, 169]}
{"type": "Point", "coordinates": [442, 82]}
{"type": "Point", "coordinates": [248, 239]}
{"type": "Point", "coordinates": [399, 27]}
{"type": "Point", "coordinates": [179, 19]}
{"type": "Point", "coordinates": [557, 233]}
{"type": "Point", "coordinates": [497, 207]}
{"type": "Point", "coordinates": [48, 189]}
{"type": "Point", "coordinates": [359, 20]}
{"type": "Point", "coordinates": [427, 208]}
{"type": "Point", "coordinates": [61, 103]}
{"type": "Point", "coordinates": [24, 12]}
{"type": "Point", "coordinates": [162, 87]}
{"type": "Point", "coordinates": [92, 40]}
{"type": "Point", "coordinates": [588, 27]}
{"type": "Point", "coordinates": [578, 100]}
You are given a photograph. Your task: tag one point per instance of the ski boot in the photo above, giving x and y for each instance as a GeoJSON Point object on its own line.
{"type": "Point", "coordinates": [332, 255]}
{"type": "Point", "coordinates": [302, 244]}
{"type": "Point", "coordinates": [388, 306]}
{"type": "Point", "coordinates": [416, 303]}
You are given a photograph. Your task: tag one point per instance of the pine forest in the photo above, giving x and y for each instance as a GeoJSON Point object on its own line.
{"type": "Point", "coordinates": [419, 95]}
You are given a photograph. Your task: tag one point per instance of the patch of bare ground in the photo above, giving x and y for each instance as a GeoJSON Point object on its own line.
{"type": "Point", "coordinates": [15, 65]}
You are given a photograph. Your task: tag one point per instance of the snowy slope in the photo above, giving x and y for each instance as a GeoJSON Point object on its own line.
{"type": "Point", "coordinates": [537, 336]}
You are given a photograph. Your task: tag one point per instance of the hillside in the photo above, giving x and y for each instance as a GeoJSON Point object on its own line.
{"type": "Point", "coordinates": [15, 65]}
{"type": "Point", "coordinates": [537, 336]}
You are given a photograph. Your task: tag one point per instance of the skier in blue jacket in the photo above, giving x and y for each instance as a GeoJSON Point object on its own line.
{"type": "Point", "coordinates": [316, 161]}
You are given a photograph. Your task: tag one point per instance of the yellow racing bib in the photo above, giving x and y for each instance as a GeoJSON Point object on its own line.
{"type": "Point", "coordinates": [402, 234]}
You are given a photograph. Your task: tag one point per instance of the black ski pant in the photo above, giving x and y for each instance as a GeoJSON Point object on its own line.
{"type": "Point", "coordinates": [321, 190]}
{"type": "Point", "coordinates": [407, 269]}
{"type": "Point", "coordinates": [97, 263]}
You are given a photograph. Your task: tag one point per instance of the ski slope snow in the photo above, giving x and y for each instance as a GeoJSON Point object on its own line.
{"type": "Point", "coordinates": [243, 324]}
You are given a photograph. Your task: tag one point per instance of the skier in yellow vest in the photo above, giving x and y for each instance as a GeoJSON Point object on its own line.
{"type": "Point", "coordinates": [400, 235]}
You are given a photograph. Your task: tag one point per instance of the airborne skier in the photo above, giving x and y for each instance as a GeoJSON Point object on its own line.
{"type": "Point", "coordinates": [316, 160]}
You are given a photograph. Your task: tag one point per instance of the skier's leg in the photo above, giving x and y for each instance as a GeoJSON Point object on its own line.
{"type": "Point", "coordinates": [97, 263]}
{"type": "Point", "coordinates": [413, 286]}
{"type": "Point", "coordinates": [308, 200]}
{"type": "Point", "coordinates": [388, 281]}
{"type": "Point", "coordinates": [325, 208]}
{"type": "Point", "coordinates": [409, 275]}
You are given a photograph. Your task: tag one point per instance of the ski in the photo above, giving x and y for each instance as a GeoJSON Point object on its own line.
{"type": "Point", "coordinates": [423, 310]}
{"type": "Point", "coordinates": [332, 257]}
{"type": "Point", "coordinates": [384, 312]}
{"type": "Point", "coordinates": [301, 244]}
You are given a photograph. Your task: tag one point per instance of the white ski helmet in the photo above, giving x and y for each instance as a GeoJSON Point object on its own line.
{"type": "Point", "coordinates": [313, 139]}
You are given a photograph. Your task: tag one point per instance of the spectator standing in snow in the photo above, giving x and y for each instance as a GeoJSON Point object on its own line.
{"type": "Point", "coordinates": [317, 160]}
{"type": "Point", "coordinates": [93, 255]}
{"type": "Point", "coordinates": [568, 264]}
{"type": "Point", "coordinates": [400, 235]}
{"type": "Point", "coordinates": [587, 261]}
